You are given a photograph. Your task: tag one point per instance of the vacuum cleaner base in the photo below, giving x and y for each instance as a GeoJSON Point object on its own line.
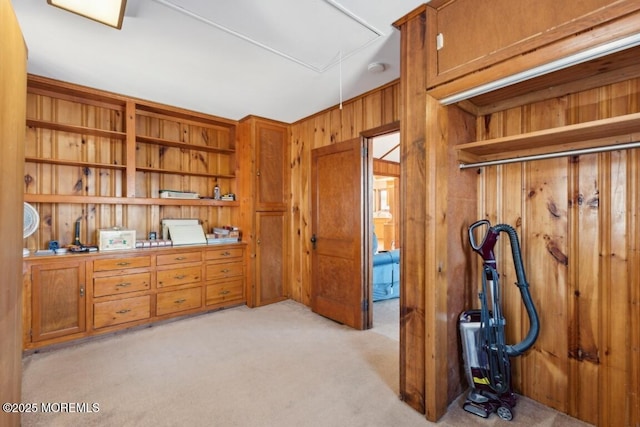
{"type": "Point", "coordinates": [484, 404]}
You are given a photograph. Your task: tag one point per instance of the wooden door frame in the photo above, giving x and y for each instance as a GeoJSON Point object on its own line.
{"type": "Point", "coordinates": [369, 135]}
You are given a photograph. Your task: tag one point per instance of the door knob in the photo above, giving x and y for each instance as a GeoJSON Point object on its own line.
{"type": "Point", "coordinates": [313, 241]}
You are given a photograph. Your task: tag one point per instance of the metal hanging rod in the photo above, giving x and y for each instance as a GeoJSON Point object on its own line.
{"type": "Point", "coordinates": [625, 146]}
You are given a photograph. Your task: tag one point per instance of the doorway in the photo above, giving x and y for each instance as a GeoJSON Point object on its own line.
{"type": "Point", "coordinates": [385, 219]}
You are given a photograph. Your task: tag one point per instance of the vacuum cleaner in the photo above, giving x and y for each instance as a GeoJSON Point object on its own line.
{"type": "Point", "coordinates": [486, 355]}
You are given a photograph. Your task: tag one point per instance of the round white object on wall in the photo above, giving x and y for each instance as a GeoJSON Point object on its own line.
{"type": "Point", "coordinates": [30, 223]}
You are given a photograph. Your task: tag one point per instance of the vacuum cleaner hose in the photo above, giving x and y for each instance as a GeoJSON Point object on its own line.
{"type": "Point", "coordinates": [534, 322]}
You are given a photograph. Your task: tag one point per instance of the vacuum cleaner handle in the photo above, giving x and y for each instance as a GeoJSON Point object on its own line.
{"type": "Point", "coordinates": [485, 247]}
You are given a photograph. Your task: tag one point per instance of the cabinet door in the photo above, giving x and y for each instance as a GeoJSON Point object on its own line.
{"type": "Point", "coordinates": [271, 166]}
{"type": "Point", "coordinates": [57, 300]}
{"type": "Point", "coordinates": [270, 274]}
{"type": "Point", "coordinates": [474, 34]}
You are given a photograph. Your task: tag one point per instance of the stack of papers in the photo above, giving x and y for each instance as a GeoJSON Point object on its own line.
{"type": "Point", "coordinates": [172, 194]}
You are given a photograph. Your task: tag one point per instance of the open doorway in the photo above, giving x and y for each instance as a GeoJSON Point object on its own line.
{"type": "Point", "coordinates": [385, 219]}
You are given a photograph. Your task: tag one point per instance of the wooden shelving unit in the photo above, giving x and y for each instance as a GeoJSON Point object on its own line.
{"type": "Point", "coordinates": [104, 158]}
{"type": "Point", "coordinates": [100, 160]}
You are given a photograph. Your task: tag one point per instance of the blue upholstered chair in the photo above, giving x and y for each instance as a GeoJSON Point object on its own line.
{"type": "Point", "coordinates": [386, 273]}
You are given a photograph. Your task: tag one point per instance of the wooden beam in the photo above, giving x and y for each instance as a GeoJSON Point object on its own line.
{"type": "Point", "coordinates": [413, 195]}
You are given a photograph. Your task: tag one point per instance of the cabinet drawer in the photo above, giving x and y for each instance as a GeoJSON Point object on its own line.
{"type": "Point", "coordinates": [122, 284]}
{"type": "Point", "coordinates": [179, 276]}
{"type": "Point", "coordinates": [173, 301]}
{"type": "Point", "coordinates": [223, 253]}
{"type": "Point", "coordinates": [224, 292]}
{"type": "Point", "coordinates": [179, 258]}
{"type": "Point", "coordinates": [110, 313]}
{"type": "Point", "coordinates": [121, 263]}
{"type": "Point", "coordinates": [225, 269]}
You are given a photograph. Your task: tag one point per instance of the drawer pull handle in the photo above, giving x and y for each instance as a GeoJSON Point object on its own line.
{"type": "Point", "coordinates": [180, 301]}
{"type": "Point", "coordinates": [122, 264]}
{"type": "Point", "coordinates": [225, 292]}
{"type": "Point", "coordinates": [226, 270]}
{"type": "Point", "coordinates": [227, 253]}
{"type": "Point", "coordinates": [123, 285]}
{"type": "Point", "coordinates": [126, 310]}
{"type": "Point", "coordinates": [180, 258]}
{"type": "Point", "coordinates": [180, 276]}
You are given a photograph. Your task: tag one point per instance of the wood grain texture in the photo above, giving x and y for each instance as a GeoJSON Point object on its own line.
{"type": "Point", "coordinates": [264, 150]}
{"type": "Point", "coordinates": [579, 233]}
{"type": "Point", "coordinates": [373, 109]}
{"type": "Point", "coordinates": [415, 200]}
{"type": "Point", "coordinates": [510, 51]}
{"type": "Point", "coordinates": [13, 83]}
{"type": "Point", "coordinates": [89, 151]}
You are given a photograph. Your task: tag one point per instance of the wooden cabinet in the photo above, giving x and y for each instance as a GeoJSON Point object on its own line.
{"type": "Point", "coordinates": [121, 289]}
{"type": "Point", "coordinates": [270, 260]}
{"type": "Point", "coordinates": [58, 300]}
{"type": "Point", "coordinates": [102, 159]}
{"type": "Point", "coordinates": [127, 289]}
{"type": "Point", "coordinates": [264, 145]}
{"type": "Point", "coordinates": [471, 42]}
{"type": "Point", "coordinates": [270, 166]}
{"type": "Point", "coordinates": [224, 276]}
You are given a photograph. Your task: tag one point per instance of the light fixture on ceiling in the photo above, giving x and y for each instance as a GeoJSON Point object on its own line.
{"type": "Point", "coordinates": [376, 67]}
{"type": "Point", "coordinates": [108, 12]}
{"type": "Point", "coordinates": [575, 59]}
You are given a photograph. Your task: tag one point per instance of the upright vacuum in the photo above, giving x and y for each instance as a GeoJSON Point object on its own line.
{"type": "Point", "coordinates": [486, 355]}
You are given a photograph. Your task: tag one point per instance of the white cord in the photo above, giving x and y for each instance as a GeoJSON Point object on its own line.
{"type": "Point", "coordinates": [340, 53]}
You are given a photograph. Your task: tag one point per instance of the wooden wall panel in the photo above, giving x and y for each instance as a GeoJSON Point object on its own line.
{"type": "Point", "coordinates": [578, 223]}
{"type": "Point", "coordinates": [371, 110]}
{"type": "Point", "coordinates": [632, 327]}
{"type": "Point", "coordinates": [13, 82]}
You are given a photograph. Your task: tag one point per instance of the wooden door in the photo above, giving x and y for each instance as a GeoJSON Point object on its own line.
{"type": "Point", "coordinates": [58, 299]}
{"type": "Point", "coordinates": [341, 240]}
{"type": "Point", "coordinates": [270, 257]}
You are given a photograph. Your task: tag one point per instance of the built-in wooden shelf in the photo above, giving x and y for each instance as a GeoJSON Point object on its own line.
{"type": "Point", "coordinates": [60, 198]}
{"type": "Point", "coordinates": [185, 173]}
{"type": "Point", "coordinates": [178, 144]}
{"type": "Point", "coordinates": [82, 130]}
{"type": "Point", "coordinates": [81, 164]}
{"type": "Point", "coordinates": [597, 133]}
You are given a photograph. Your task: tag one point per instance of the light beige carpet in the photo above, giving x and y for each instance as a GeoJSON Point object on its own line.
{"type": "Point", "coordinates": [278, 365]}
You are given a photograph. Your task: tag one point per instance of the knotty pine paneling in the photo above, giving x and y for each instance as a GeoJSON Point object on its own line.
{"type": "Point", "coordinates": [58, 220]}
{"type": "Point", "coordinates": [61, 169]}
{"type": "Point", "coordinates": [577, 219]}
{"type": "Point", "coordinates": [371, 110]}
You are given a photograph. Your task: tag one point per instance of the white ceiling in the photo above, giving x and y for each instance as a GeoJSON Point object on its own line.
{"type": "Point", "coordinates": [280, 59]}
{"type": "Point", "coordinates": [387, 147]}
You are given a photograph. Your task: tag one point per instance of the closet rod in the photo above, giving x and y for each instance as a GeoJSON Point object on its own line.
{"type": "Point", "coordinates": [625, 146]}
